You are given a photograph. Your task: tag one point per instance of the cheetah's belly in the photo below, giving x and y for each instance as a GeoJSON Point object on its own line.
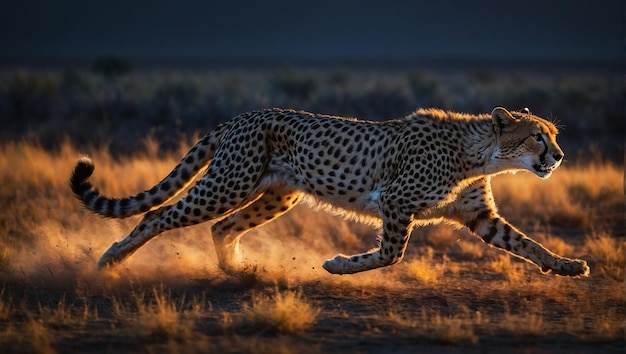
{"type": "Point", "coordinates": [326, 189]}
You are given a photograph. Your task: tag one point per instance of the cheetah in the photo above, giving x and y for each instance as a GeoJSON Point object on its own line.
{"type": "Point", "coordinates": [430, 166]}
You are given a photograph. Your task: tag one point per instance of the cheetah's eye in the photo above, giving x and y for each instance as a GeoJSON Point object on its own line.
{"type": "Point", "coordinates": [536, 136]}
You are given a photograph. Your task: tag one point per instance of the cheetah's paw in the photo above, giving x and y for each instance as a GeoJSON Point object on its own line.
{"type": "Point", "coordinates": [337, 265]}
{"type": "Point", "coordinates": [111, 257]}
{"type": "Point", "coordinates": [570, 267]}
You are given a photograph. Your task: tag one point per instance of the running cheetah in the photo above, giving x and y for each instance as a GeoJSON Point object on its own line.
{"type": "Point", "coordinates": [429, 166]}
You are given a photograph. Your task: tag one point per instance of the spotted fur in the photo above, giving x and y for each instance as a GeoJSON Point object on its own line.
{"type": "Point", "coordinates": [430, 166]}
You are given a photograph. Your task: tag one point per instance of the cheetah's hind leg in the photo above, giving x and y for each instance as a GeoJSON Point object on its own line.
{"type": "Point", "coordinates": [274, 202]}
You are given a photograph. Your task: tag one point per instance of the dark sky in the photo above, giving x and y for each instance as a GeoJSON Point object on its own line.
{"type": "Point", "coordinates": [381, 29]}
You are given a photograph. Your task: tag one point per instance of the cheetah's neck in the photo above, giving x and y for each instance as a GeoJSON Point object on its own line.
{"type": "Point", "coordinates": [479, 146]}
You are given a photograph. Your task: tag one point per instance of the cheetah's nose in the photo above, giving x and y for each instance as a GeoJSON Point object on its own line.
{"type": "Point", "coordinates": [557, 157]}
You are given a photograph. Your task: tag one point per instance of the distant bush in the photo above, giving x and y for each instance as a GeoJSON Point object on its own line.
{"type": "Point", "coordinates": [295, 85]}
{"type": "Point", "coordinates": [111, 67]}
{"type": "Point", "coordinates": [112, 104]}
{"type": "Point", "coordinates": [28, 99]}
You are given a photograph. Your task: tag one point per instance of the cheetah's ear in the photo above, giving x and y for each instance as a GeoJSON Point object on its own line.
{"type": "Point", "coordinates": [502, 119]}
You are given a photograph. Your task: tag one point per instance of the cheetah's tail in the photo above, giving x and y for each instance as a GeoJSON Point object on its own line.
{"type": "Point", "coordinates": [190, 167]}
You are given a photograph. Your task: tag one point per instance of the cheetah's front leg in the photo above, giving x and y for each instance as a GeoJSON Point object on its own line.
{"type": "Point", "coordinates": [495, 231]}
{"type": "Point", "coordinates": [393, 243]}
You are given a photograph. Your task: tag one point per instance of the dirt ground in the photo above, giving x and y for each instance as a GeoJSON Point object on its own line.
{"type": "Point", "coordinates": [470, 309]}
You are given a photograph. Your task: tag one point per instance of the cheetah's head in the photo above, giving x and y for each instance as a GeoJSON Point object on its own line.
{"type": "Point", "coordinates": [526, 142]}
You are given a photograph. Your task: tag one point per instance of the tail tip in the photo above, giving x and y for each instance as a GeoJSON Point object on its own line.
{"type": "Point", "coordinates": [83, 170]}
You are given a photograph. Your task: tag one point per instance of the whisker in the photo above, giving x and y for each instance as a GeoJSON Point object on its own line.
{"type": "Point", "coordinates": [557, 122]}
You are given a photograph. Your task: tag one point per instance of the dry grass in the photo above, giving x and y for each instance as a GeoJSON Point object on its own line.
{"type": "Point", "coordinates": [30, 337]}
{"type": "Point", "coordinates": [457, 329]}
{"type": "Point", "coordinates": [160, 316]}
{"type": "Point", "coordinates": [524, 325]}
{"type": "Point", "coordinates": [425, 269]}
{"type": "Point", "coordinates": [282, 311]}
{"type": "Point", "coordinates": [557, 245]}
{"type": "Point", "coordinates": [608, 252]}
{"type": "Point", "coordinates": [39, 337]}
{"type": "Point", "coordinates": [570, 197]}
{"type": "Point", "coordinates": [471, 249]}
{"type": "Point", "coordinates": [67, 316]}
{"type": "Point", "coordinates": [512, 270]}
{"type": "Point", "coordinates": [438, 236]}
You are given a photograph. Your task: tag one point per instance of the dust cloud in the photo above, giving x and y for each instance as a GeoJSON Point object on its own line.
{"type": "Point", "coordinates": [288, 251]}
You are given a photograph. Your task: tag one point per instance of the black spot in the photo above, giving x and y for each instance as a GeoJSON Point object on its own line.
{"type": "Point", "coordinates": [480, 217]}
{"type": "Point", "coordinates": [492, 232]}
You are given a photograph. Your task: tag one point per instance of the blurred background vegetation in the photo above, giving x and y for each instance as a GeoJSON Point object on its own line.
{"type": "Point", "coordinates": [116, 103]}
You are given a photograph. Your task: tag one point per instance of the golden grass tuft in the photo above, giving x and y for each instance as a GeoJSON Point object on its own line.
{"type": "Point", "coordinates": [507, 265]}
{"type": "Point", "coordinates": [502, 264]}
{"type": "Point", "coordinates": [557, 245]}
{"type": "Point", "coordinates": [67, 316]}
{"type": "Point", "coordinates": [283, 312]}
{"type": "Point", "coordinates": [529, 324]}
{"type": "Point", "coordinates": [608, 252]}
{"type": "Point", "coordinates": [160, 317]}
{"type": "Point", "coordinates": [456, 329]}
{"type": "Point", "coordinates": [471, 249]}
{"type": "Point", "coordinates": [30, 337]}
{"type": "Point", "coordinates": [39, 337]}
{"type": "Point", "coordinates": [424, 268]}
